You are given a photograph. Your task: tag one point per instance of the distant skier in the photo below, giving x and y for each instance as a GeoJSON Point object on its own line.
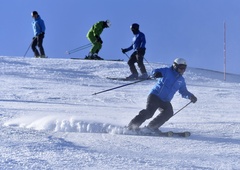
{"type": "Point", "coordinates": [170, 81]}
{"type": "Point", "coordinates": [93, 36]}
{"type": "Point", "coordinates": [39, 32]}
{"type": "Point", "coordinates": [138, 46]}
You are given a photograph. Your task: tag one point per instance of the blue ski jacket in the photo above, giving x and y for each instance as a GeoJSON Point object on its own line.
{"type": "Point", "coordinates": [170, 82]}
{"type": "Point", "coordinates": [38, 26]}
{"type": "Point", "coordinates": [139, 41]}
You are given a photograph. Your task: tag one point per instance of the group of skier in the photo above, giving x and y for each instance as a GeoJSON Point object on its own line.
{"type": "Point", "coordinates": [93, 35]}
{"type": "Point", "coordinates": [138, 46]}
{"type": "Point", "coordinates": [170, 79]}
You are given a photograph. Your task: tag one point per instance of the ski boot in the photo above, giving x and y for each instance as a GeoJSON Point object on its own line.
{"type": "Point", "coordinates": [132, 77]}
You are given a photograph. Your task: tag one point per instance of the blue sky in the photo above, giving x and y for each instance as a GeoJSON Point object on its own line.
{"type": "Point", "coordinates": [191, 29]}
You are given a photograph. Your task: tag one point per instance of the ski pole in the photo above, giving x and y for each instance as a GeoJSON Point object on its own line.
{"type": "Point", "coordinates": [126, 54]}
{"type": "Point", "coordinates": [119, 86]}
{"type": "Point", "coordinates": [182, 108]}
{"type": "Point", "coordinates": [148, 63]}
{"type": "Point", "coordinates": [29, 47]}
{"type": "Point", "coordinates": [79, 48]}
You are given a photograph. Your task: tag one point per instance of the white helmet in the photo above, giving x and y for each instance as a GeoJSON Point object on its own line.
{"type": "Point", "coordinates": [179, 63]}
{"type": "Point", "coordinates": [108, 23]}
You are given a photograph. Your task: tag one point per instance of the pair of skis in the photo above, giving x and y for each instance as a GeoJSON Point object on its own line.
{"type": "Point", "coordinates": [97, 60]}
{"type": "Point", "coordinates": [166, 134]}
{"type": "Point", "coordinates": [146, 132]}
{"type": "Point", "coordinates": [127, 79]}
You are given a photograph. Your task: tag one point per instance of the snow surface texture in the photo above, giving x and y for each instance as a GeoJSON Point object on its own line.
{"type": "Point", "coordinates": [51, 120]}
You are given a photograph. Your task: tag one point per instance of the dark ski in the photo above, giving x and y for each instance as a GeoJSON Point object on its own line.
{"type": "Point", "coordinates": [97, 60]}
{"type": "Point", "coordinates": [166, 134]}
{"type": "Point", "coordinates": [146, 132]}
{"type": "Point", "coordinates": [182, 134]}
{"type": "Point", "coordinates": [126, 79]}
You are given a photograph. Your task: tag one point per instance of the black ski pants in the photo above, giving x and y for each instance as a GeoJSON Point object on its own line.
{"type": "Point", "coordinates": [154, 103]}
{"type": "Point", "coordinates": [37, 41]}
{"type": "Point", "coordinates": [137, 57]}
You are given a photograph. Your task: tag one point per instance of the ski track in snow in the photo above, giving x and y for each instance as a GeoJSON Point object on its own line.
{"type": "Point", "coordinates": [51, 120]}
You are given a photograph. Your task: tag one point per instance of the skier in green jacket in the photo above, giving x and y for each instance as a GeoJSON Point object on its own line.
{"type": "Point", "coordinates": [94, 37]}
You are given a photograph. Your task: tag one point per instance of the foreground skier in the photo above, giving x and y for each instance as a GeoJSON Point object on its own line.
{"type": "Point", "coordinates": [170, 81]}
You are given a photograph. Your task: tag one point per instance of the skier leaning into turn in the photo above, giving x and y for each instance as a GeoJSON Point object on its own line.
{"type": "Point", "coordinates": [93, 36]}
{"type": "Point", "coordinates": [170, 81]}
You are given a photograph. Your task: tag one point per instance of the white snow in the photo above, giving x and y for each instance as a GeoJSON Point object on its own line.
{"type": "Point", "coordinates": [51, 120]}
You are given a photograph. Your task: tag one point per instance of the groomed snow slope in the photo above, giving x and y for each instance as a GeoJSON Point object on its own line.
{"type": "Point", "coordinates": [51, 120]}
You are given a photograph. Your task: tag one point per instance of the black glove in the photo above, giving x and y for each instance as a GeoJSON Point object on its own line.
{"type": "Point", "coordinates": [157, 75]}
{"type": "Point", "coordinates": [193, 99]}
{"type": "Point", "coordinates": [124, 50]}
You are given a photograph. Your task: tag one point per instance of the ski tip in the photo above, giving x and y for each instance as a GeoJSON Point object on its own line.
{"type": "Point", "coordinates": [187, 134]}
{"type": "Point", "coordinates": [170, 133]}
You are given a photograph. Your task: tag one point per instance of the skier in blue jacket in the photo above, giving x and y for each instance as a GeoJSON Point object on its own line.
{"type": "Point", "coordinates": [39, 32]}
{"type": "Point", "coordinates": [138, 45]}
{"type": "Point", "coordinates": [170, 81]}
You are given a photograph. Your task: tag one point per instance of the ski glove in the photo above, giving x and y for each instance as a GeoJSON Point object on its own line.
{"type": "Point", "coordinates": [157, 75]}
{"type": "Point", "coordinates": [124, 50]}
{"type": "Point", "coordinates": [193, 99]}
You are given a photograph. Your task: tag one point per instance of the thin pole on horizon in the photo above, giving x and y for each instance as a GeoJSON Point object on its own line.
{"type": "Point", "coordinates": [225, 51]}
